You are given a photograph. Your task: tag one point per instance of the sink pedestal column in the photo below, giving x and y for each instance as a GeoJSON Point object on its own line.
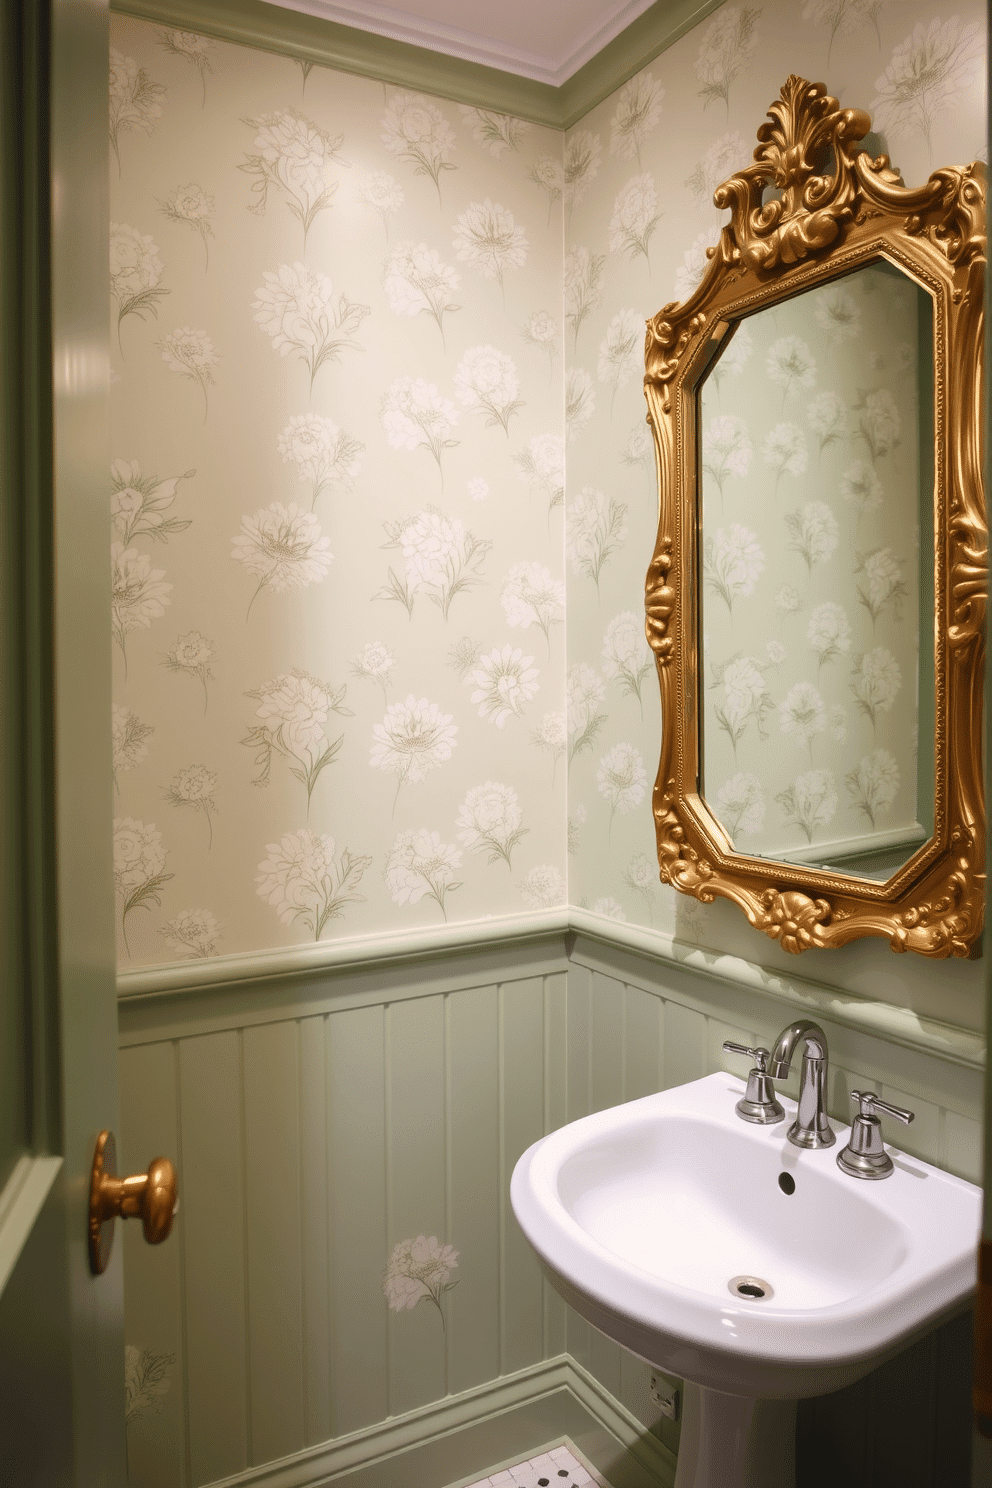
{"type": "Point", "coordinates": [735, 1441]}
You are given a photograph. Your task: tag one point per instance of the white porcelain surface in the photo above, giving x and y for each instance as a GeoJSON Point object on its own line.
{"type": "Point", "coordinates": [643, 1213]}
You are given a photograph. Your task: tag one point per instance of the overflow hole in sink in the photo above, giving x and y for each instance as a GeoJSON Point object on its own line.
{"type": "Point", "coordinates": [787, 1183]}
{"type": "Point", "coordinates": [751, 1288]}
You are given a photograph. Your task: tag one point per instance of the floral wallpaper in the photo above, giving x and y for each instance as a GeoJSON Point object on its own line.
{"type": "Point", "coordinates": [336, 503]}
{"type": "Point", "coordinates": [811, 571]}
{"type": "Point", "coordinates": [640, 170]}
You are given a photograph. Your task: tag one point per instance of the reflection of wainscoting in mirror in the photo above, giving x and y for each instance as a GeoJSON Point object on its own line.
{"type": "Point", "coordinates": [817, 483]}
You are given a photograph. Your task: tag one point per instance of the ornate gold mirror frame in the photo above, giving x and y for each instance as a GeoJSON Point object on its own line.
{"type": "Point", "coordinates": [812, 207]}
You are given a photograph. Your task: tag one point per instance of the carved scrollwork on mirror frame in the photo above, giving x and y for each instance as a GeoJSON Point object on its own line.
{"type": "Point", "coordinates": [813, 209]}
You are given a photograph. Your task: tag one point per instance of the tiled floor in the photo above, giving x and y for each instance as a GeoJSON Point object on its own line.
{"type": "Point", "coordinates": [558, 1468]}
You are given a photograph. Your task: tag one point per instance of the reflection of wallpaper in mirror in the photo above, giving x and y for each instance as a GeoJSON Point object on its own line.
{"type": "Point", "coordinates": [812, 570]}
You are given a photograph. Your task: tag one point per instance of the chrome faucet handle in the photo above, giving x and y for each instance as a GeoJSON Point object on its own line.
{"type": "Point", "coordinates": [865, 1156]}
{"type": "Point", "coordinates": [758, 1104]}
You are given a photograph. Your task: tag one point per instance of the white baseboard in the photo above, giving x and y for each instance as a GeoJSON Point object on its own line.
{"type": "Point", "coordinates": [505, 1419]}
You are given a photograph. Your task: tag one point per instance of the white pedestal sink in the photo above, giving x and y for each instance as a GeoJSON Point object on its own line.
{"type": "Point", "coordinates": [649, 1217]}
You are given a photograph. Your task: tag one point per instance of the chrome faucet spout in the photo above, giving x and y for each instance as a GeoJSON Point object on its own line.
{"type": "Point", "coordinates": [811, 1127]}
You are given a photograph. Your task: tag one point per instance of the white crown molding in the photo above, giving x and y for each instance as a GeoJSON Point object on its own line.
{"type": "Point", "coordinates": [470, 46]}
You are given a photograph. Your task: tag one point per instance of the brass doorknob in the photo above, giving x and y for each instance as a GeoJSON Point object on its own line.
{"type": "Point", "coordinates": [152, 1196]}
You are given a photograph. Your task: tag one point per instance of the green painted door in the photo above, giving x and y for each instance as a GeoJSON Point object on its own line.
{"type": "Point", "coordinates": [61, 1338]}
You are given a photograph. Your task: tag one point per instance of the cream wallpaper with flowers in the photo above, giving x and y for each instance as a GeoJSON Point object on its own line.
{"type": "Point", "coordinates": [338, 587]}
{"type": "Point", "coordinates": [640, 171]}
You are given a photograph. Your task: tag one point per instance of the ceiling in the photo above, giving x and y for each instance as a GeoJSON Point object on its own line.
{"type": "Point", "coordinates": [547, 41]}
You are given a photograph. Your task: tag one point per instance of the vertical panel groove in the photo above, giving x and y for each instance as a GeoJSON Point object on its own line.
{"type": "Point", "coordinates": [500, 1095]}
{"type": "Point", "coordinates": [243, 1132]}
{"type": "Point", "coordinates": [446, 1098]}
{"type": "Point", "coordinates": [186, 1454]}
{"type": "Point", "coordinates": [546, 1109]}
{"type": "Point", "coordinates": [387, 1170]}
{"type": "Point", "coordinates": [332, 1408]}
{"type": "Point", "coordinates": [300, 1209]}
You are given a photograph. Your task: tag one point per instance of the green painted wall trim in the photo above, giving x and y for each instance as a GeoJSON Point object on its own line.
{"type": "Point", "coordinates": [329, 44]}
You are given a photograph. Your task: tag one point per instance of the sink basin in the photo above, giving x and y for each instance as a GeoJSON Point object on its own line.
{"type": "Point", "coordinates": [647, 1216]}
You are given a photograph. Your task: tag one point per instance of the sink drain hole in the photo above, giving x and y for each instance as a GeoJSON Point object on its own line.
{"type": "Point", "coordinates": [751, 1288]}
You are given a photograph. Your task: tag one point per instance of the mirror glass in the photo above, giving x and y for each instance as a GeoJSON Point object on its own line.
{"type": "Point", "coordinates": [816, 431]}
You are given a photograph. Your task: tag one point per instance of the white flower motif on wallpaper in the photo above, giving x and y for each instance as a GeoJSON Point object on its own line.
{"type": "Point", "coordinates": [305, 882]}
{"type": "Point", "coordinates": [860, 485]}
{"type": "Point", "coordinates": [638, 109]}
{"type": "Point", "coordinates": [417, 281]}
{"type": "Point", "coordinates": [574, 826]}
{"type": "Point", "coordinates": [873, 784]}
{"type": "Point", "coordinates": [814, 533]}
{"type": "Point", "coordinates": [190, 353]}
{"type": "Point", "coordinates": [413, 739]}
{"type": "Point", "coordinates": [803, 713]}
{"type": "Point", "coordinates": [487, 382]}
{"type": "Point", "coordinates": [641, 875]}
{"type": "Point", "coordinates": [194, 788]}
{"type": "Point", "coordinates": [375, 663]}
{"type": "Point", "coordinates": [383, 194]}
{"type": "Point", "coordinates": [610, 908]}
{"type": "Point", "coordinates": [478, 488]}
{"type": "Point", "coordinates": [505, 681]}
{"type": "Point", "coordinates": [791, 365]}
{"type": "Point", "coordinates": [293, 708]}
{"type": "Point", "coordinates": [928, 75]}
{"type": "Point", "coordinates": [139, 861]}
{"type": "Point", "coordinates": [741, 805]}
{"type": "Point", "coordinates": [621, 351]}
{"type": "Point", "coordinates": [531, 595]}
{"type": "Point", "coordinates": [785, 450]}
{"type": "Point", "coordinates": [584, 694]}
{"type": "Point", "coordinates": [284, 547]}
{"type": "Point", "coordinates": [639, 449]}
{"type": "Point", "coordinates": [421, 866]}
{"type": "Point", "coordinates": [193, 932]}
{"type": "Point", "coordinates": [138, 593]}
{"type": "Point", "coordinates": [844, 16]}
{"type": "Point", "coordinates": [828, 632]}
{"type": "Point", "coordinates": [595, 530]}
{"type": "Point", "coordinates": [693, 266]}
{"type": "Point", "coordinates": [787, 600]}
{"type": "Point", "coordinates": [881, 586]}
{"type": "Point", "coordinates": [192, 48]}
{"type": "Point", "coordinates": [128, 734]}
{"type": "Point", "coordinates": [876, 678]}
{"type": "Point", "coordinates": [726, 449]}
{"type": "Point", "coordinates": [487, 238]}
{"type": "Point", "coordinates": [294, 307]}
{"type": "Point", "coordinates": [580, 401]}
{"type": "Point", "coordinates": [415, 131]}
{"type": "Point", "coordinates": [138, 503]}
{"type": "Point", "coordinates": [542, 465]}
{"type": "Point", "coordinates": [548, 173]}
{"type": "Point", "coordinates": [419, 1271]}
{"type": "Point", "coordinates": [323, 454]}
{"type": "Point", "coordinates": [190, 206]}
{"type": "Point", "coordinates": [580, 164]}
{"type": "Point", "coordinates": [620, 779]}
{"type": "Point", "coordinates": [838, 316]}
{"type": "Point", "coordinates": [442, 560]}
{"type": "Point", "coordinates": [636, 214]}
{"type": "Point", "coordinates": [543, 887]}
{"type": "Point", "coordinates": [880, 422]}
{"type": "Point", "coordinates": [626, 658]}
{"type": "Point", "coordinates": [810, 801]}
{"type": "Point", "coordinates": [134, 100]}
{"type": "Point", "coordinates": [291, 154]}
{"type": "Point", "coordinates": [745, 699]}
{"type": "Point", "coordinates": [192, 653]}
{"type": "Point", "coordinates": [490, 821]}
{"type": "Point", "coordinates": [583, 285]}
{"type": "Point", "coordinates": [827, 417]}
{"type": "Point", "coordinates": [725, 53]}
{"type": "Point", "coordinates": [733, 561]}
{"type": "Point", "coordinates": [551, 735]}
{"type": "Point", "coordinates": [135, 274]}
{"type": "Point", "coordinates": [725, 156]}
{"type": "Point", "coordinates": [541, 330]}
{"type": "Point", "coordinates": [416, 416]}
{"type": "Point", "coordinates": [146, 1381]}
{"type": "Point", "coordinates": [496, 133]}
